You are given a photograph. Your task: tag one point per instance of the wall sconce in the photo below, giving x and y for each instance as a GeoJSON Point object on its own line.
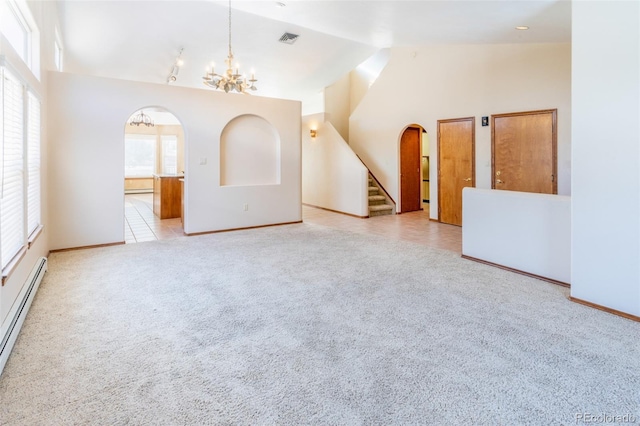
{"type": "Point", "coordinates": [313, 133]}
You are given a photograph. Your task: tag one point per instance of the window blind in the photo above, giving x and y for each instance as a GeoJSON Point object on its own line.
{"type": "Point", "coordinates": [33, 164]}
{"type": "Point", "coordinates": [12, 203]}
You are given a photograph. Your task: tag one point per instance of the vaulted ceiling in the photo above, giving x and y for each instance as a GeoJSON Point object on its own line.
{"type": "Point", "coordinates": [140, 40]}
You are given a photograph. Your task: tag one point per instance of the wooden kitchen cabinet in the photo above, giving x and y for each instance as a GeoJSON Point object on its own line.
{"type": "Point", "coordinates": [167, 196]}
{"type": "Point", "coordinates": [182, 201]}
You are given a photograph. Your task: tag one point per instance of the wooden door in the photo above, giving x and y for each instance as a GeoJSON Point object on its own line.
{"type": "Point", "coordinates": [524, 152]}
{"type": "Point", "coordinates": [410, 177]}
{"type": "Point", "coordinates": [456, 166]}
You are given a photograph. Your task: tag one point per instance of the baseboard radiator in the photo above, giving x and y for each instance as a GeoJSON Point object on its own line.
{"type": "Point", "coordinates": [19, 311]}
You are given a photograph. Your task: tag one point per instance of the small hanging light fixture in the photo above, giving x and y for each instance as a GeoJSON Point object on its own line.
{"type": "Point", "coordinates": [230, 80]}
{"type": "Point", "coordinates": [140, 118]}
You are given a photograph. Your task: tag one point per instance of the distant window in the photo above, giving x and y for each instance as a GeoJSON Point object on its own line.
{"type": "Point", "coordinates": [58, 55]}
{"type": "Point", "coordinates": [139, 155]}
{"type": "Point", "coordinates": [169, 154]}
{"type": "Point", "coordinates": [15, 29]}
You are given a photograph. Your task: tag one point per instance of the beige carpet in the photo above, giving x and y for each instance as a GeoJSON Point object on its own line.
{"type": "Point", "coordinates": [303, 324]}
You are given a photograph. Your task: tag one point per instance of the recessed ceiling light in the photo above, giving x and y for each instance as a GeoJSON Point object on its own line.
{"type": "Point", "coordinates": [522, 27]}
{"type": "Point", "coordinates": [280, 4]}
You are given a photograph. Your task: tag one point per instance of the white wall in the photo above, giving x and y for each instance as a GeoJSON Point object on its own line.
{"type": "Point", "coordinates": [313, 104]}
{"type": "Point", "coordinates": [606, 154]}
{"type": "Point", "coordinates": [336, 105]}
{"type": "Point", "coordinates": [86, 163]}
{"type": "Point", "coordinates": [452, 81]}
{"type": "Point", "coordinates": [520, 230]}
{"type": "Point", "coordinates": [332, 175]}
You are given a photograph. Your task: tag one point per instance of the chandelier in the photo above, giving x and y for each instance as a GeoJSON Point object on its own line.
{"type": "Point", "coordinates": [230, 80]}
{"type": "Point", "coordinates": [141, 119]}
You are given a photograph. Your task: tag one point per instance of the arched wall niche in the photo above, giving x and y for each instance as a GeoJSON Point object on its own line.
{"type": "Point", "coordinates": [249, 152]}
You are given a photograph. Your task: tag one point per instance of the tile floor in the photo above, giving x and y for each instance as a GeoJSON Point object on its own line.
{"type": "Point", "coordinates": [142, 225]}
{"type": "Point", "coordinates": [415, 227]}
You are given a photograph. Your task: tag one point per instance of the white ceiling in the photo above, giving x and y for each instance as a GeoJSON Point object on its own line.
{"type": "Point", "coordinates": [139, 40]}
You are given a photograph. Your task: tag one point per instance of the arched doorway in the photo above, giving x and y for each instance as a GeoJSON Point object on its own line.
{"type": "Point", "coordinates": [153, 175]}
{"type": "Point", "coordinates": [410, 169]}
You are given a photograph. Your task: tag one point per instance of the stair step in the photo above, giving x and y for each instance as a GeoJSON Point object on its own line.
{"type": "Point", "coordinates": [380, 210]}
{"type": "Point", "coordinates": [373, 189]}
{"type": "Point", "coordinates": [376, 200]}
{"type": "Point", "coordinates": [381, 207]}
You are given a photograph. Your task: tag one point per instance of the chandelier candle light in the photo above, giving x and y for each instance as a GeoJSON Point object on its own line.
{"type": "Point", "coordinates": [230, 80]}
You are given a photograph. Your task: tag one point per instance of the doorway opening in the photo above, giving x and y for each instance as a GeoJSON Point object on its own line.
{"type": "Point", "coordinates": [411, 169]}
{"type": "Point", "coordinates": [153, 176]}
{"type": "Point", "coordinates": [426, 197]}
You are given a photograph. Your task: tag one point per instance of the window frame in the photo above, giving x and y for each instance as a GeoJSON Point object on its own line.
{"type": "Point", "coordinates": [12, 178]}
{"type": "Point", "coordinates": [24, 51]}
{"type": "Point", "coordinates": [28, 238]}
{"type": "Point", "coordinates": [58, 53]}
{"type": "Point", "coordinates": [165, 140]}
{"type": "Point", "coordinates": [31, 145]}
{"type": "Point", "coordinates": [30, 57]}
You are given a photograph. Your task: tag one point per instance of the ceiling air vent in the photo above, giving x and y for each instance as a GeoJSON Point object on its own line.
{"type": "Point", "coordinates": [289, 38]}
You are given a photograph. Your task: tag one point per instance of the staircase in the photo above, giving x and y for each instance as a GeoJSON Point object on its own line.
{"type": "Point", "coordinates": [377, 201]}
